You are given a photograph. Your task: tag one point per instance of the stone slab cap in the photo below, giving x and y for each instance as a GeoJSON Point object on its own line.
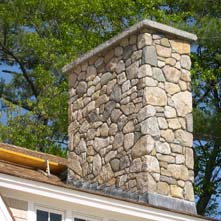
{"type": "Point", "coordinates": [133, 29]}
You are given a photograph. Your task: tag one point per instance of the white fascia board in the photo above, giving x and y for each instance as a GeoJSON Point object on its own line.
{"type": "Point", "coordinates": [4, 213]}
{"type": "Point", "coordinates": [91, 200]}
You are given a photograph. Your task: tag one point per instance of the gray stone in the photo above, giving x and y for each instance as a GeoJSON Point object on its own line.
{"type": "Point", "coordinates": [163, 148]}
{"type": "Point", "coordinates": [183, 103]}
{"type": "Point", "coordinates": [149, 55]}
{"type": "Point", "coordinates": [74, 163]}
{"type": "Point", "coordinates": [185, 62]}
{"type": "Point", "coordinates": [110, 156]}
{"type": "Point", "coordinates": [118, 51]}
{"type": "Point", "coordinates": [150, 164]}
{"type": "Point", "coordinates": [120, 67]}
{"type": "Point", "coordinates": [144, 70]}
{"type": "Point", "coordinates": [115, 165]}
{"type": "Point", "coordinates": [84, 127]}
{"type": "Point", "coordinates": [115, 115]}
{"type": "Point", "coordinates": [116, 93]}
{"type": "Point", "coordinates": [180, 159]}
{"type": "Point", "coordinates": [126, 86]}
{"type": "Point", "coordinates": [172, 74]}
{"type": "Point", "coordinates": [150, 126]}
{"type": "Point", "coordinates": [168, 180]}
{"type": "Point", "coordinates": [113, 129]}
{"type": "Point", "coordinates": [136, 166]}
{"type": "Point", "coordinates": [100, 143]}
{"type": "Point", "coordinates": [145, 112]}
{"type": "Point", "coordinates": [128, 108]}
{"type": "Point", "coordinates": [81, 88]}
{"type": "Point", "coordinates": [128, 141]}
{"type": "Point", "coordinates": [189, 122]}
{"type": "Point", "coordinates": [158, 75]}
{"type": "Point", "coordinates": [124, 162]}
{"type": "Point", "coordinates": [81, 148]}
{"type": "Point", "coordinates": [184, 138]}
{"type": "Point", "coordinates": [129, 127]}
{"type": "Point", "coordinates": [162, 123]}
{"type": "Point", "coordinates": [144, 40]}
{"type": "Point", "coordinates": [97, 164]}
{"type": "Point", "coordinates": [155, 96]}
{"type": "Point", "coordinates": [118, 140]}
{"type": "Point", "coordinates": [121, 78]}
{"type": "Point", "coordinates": [99, 62]}
{"type": "Point", "coordinates": [109, 106]}
{"type": "Point", "coordinates": [104, 130]}
{"type": "Point", "coordinates": [127, 52]}
{"type": "Point", "coordinates": [91, 73]}
{"type": "Point", "coordinates": [132, 70]}
{"type": "Point", "coordinates": [143, 146]}
{"type": "Point", "coordinates": [105, 78]}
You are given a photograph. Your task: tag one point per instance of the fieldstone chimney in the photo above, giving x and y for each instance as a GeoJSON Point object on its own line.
{"type": "Point", "coordinates": [130, 115]}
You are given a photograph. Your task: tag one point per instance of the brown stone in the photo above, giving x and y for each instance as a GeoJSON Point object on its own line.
{"type": "Point", "coordinates": [128, 141]}
{"type": "Point", "coordinates": [150, 126]}
{"type": "Point", "coordinates": [150, 164]}
{"type": "Point", "coordinates": [163, 51]}
{"type": "Point", "coordinates": [189, 158]}
{"type": "Point", "coordinates": [163, 188]}
{"type": "Point", "coordinates": [188, 191]}
{"type": "Point", "coordinates": [180, 47]}
{"type": "Point", "coordinates": [168, 135]}
{"type": "Point", "coordinates": [97, 164]}
{"type": "Point", "coordinates": [176, 191]}
{"type": "Point", "coordinates": [144, 40]}
{"type": "Point", "coordinates": [155, 96]}
{"type": "Point", "coordinates": [178, 171]}
{"type": "Point", "coordinates": [172, 74]}
{"type": "Point", "coordinates": [184, 138]}
{"type": "Point", "coordinates": [171, 88]}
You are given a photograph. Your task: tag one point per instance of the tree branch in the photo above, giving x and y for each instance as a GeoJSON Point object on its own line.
{"type": "Point", "coordinates": [25, 74]}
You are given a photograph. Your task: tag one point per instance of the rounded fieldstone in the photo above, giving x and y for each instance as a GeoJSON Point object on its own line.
{"type": "Point", "coordinates": [172, 74]}
{"type": "Point", "coordinates": [163, 148]}
{"type": "Point", "coordinates": [145, 112]}
{"type": "Point", "coordinates": [81, 88]}
{"type": "Point", "coordinates": [115, 165]}
{"type": "Point", "coordinates": [185, 62]}
{"type": "Point", "coordinates": [150, 126]}
{"type": "Point", "coordinates": [143, 146]}
{"type": "Point", "coordinates": [155, 96]}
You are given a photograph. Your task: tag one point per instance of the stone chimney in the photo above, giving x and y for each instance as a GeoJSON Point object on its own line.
{"type": "Point", "coordinates": [130, 115]}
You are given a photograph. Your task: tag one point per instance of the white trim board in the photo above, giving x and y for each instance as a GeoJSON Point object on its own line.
{"type": "Point", "coordinates": [112, 208]}
{"type": "Point", "coordinates": [4, 213]}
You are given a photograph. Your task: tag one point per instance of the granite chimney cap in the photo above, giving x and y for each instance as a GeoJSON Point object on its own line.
{"type": "Point", "coordinates": [140, 25]}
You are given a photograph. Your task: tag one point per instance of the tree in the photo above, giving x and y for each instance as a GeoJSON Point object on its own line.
{"type": "Point", "coordinates": [38, 37]}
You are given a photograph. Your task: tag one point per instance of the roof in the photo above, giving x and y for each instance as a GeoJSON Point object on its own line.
{"type": "Point", "coordinates": [34, 174]}
{"type": "Point", "coordinates": [33, 159]}
{"type": "Point", "coordinates": [133, 29]}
